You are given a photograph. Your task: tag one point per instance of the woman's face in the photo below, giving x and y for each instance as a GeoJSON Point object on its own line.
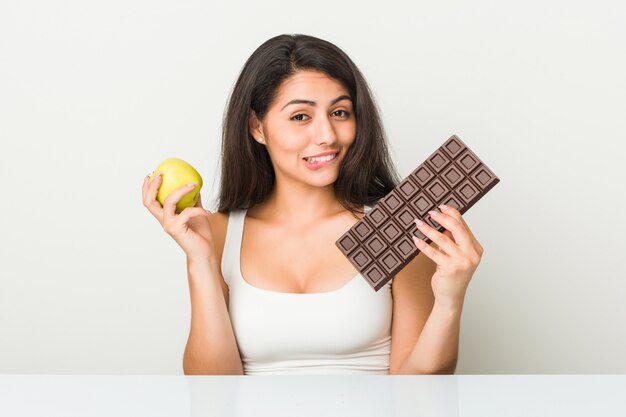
{"type": "Point", "coordinates": [308, 128]}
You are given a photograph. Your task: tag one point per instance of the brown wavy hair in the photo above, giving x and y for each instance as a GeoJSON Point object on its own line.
{"type": "Point", "coordinates": [247, 176]}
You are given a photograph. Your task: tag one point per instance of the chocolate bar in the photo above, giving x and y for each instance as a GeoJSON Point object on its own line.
{"type": "Point", "coordinates": [380, 244]}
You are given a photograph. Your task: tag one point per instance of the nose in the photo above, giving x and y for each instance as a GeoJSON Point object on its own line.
{"type": "Point", "coordinates": [325, 132]}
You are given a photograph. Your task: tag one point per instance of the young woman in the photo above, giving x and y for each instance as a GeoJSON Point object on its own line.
{"type": "Point", "coordinates": [303, 158]}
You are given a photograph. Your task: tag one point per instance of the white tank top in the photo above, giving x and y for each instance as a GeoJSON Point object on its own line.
{"type": "Point", "coordinates": [344, 331]}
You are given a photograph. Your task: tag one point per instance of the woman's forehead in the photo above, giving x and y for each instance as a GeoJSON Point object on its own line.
{"type": "Point", "coordinates": [310, 85]}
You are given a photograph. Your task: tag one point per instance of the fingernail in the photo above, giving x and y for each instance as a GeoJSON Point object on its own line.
{"type": "Point", "coordinates": [443, 207]}
{"type": "Point", "coordinates": [191, 185]}
{"type": "Point", "coordinates": [419, 223]}
{"type": "Point", "coordinates": [433, 213]}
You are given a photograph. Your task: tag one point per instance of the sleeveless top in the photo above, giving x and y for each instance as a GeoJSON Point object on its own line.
{"type": "Point", "coordinates": [344, 331]}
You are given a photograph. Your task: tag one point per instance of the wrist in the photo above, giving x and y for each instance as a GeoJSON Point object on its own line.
{"type": "Point", "coordinates": [201, 265]}
{"type": "Point", "coordinates": [198, 260]}
{"type": "Point", "coordinates": [448, 307]}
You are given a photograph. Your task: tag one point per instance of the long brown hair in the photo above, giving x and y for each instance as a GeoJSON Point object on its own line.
{"type": "Point", "coordinates": [247, 176]}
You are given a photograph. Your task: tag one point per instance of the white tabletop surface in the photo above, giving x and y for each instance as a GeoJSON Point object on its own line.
{"type": "Point", "coordinates": [450, 396]}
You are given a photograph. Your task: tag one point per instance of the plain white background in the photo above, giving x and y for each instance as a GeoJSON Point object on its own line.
{"type": "Point", "coordinates": [93, 95]}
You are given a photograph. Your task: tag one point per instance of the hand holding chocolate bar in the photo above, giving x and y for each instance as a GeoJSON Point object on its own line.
{"type": "Point", "coordinates": [381, 243]}
{"type": "Point", "coordinates": [457, 254]}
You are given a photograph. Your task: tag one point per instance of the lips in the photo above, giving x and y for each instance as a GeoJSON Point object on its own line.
{"type": "Point", "coordinates": [319, 161]}
{"type": "Point", "coordinates": [321, 158]}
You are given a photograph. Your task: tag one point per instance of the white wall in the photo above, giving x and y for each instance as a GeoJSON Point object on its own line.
{"type": "Point", "coordinates": [94, 94]}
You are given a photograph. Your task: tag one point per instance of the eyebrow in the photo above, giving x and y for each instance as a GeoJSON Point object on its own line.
{"type": "Point", "coordinates": [312, 103]}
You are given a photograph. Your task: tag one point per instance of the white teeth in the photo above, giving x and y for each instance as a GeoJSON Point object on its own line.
{"type": "Point", "coordinates": [321, 158]}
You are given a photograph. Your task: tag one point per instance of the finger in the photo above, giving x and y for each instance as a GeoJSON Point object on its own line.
{"type": "Point", "coordinates": [144, 187]}
{"type": "Point", "coordinates": [153, 187]}
{"type": "Point", "coordinates": [443, 241]}
{"type": "Point", "coordinates": [179, 228]}
{"type": "Point", "coordinates": [459, 231]}
{"type": "Point", "coordinates": [199, 202]}
{"type": "Point", "coordinates": [150, 201]}
{"type": "Point", "coordinates": [475, 245]}
{"type": "Point", "coordinates": [437, 256]}
{"type": "Point", "coordinates": [192, 212]}
{"type": "Point", "coordinates": [169, 205]}
{"type": "Point", "coordinates": [185, 216]}
{"type": "Point", "coordinates": [449, 234]}
{"type": "Point", "coordinates": [451, 211]}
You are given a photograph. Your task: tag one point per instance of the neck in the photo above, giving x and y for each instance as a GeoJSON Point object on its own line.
{"type": "Point", "coordinates": [299, 204]}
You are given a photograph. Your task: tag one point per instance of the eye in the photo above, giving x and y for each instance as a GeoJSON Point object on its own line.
{"type": "Point", "coordinates": [300, 117]}
{"type": "Point", "coordinates": [344, 114]}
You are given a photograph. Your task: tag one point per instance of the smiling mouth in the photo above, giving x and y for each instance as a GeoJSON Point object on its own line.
{"type": "Point", "coordinates": [318, 159]}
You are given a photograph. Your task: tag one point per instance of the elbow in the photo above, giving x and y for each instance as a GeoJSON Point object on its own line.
{"type": "Point", "coordinates": [424, 369]}
{"type": "Point", "coordinates": [195, 368]}
{"type": "Point", "coordinates": [207, 372]}
{"type": "Point", "coordinates": [189, 369]}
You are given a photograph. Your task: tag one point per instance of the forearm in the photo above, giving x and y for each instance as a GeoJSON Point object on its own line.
{"type": "Point", "coordinates": [211, 348]}
{"type": "Point", "coordinates": [436, 350]}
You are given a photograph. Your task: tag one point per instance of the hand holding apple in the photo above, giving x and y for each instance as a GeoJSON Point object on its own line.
{"type": "Point", "coordinates": [190, 228]}
{"type": "Point", "coordinates": [176, 173]}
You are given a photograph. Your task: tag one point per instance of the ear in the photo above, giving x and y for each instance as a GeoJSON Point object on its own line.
{"type": "Point", "coordinates": [255, 127]}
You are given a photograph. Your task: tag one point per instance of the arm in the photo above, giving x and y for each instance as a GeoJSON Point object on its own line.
{"type": "Point", "coordinates": [211, 346]}
{"type": "Point", "coordinates": [428, 298]}
{"type": "Point", "coordinates": [436, 350]}
{"type": "Point", "coordinates": [425, 333]}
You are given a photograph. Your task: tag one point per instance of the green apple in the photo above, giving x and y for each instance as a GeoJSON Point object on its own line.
{"type": "Point", "coordinates": [176, 173]}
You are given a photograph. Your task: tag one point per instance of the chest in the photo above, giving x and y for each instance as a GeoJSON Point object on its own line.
{"type": "Point", "coordinates": [294, 260]}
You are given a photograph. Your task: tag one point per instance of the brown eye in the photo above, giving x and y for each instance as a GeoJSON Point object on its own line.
{"type": "Point", "coordinates": [300, 117]}
{"type": "Point", "coordinates": [341, 113]}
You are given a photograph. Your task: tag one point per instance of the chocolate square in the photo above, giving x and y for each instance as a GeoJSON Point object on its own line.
{"type": "Point", "coordinates": [361, 258]}
{"type": "Point", "coordinates": [362, 230]}
{"type": "Point", "coordinates": [405, 247]}
{"type": "Point", "coordinates": [375, 245]}
{"type": "Point", "coordinates": [436, 189]}
{"type": "Point", "coordinates": [389, 260]}
{"type": "Point", "coordinates": [438, 160]}
{"type": "Point", "coordinates": [375, 276]}
{"type": "Point", "coordinates": [452, 175]}
{"type": "Point", "coordinates": [346, 243]}
{"type": "Point", "coordinates": [392, 202]}
{"type": "Point", "coordinates": [422, 175]}
{"type": "Point", "coordinates": [377, 216]}
{"type": "Point", "coordinates": [391, 231]}
{"type": "Point", "coordinates": [407, 189]}
{"type": "Point", "coordinates": [421, 205]}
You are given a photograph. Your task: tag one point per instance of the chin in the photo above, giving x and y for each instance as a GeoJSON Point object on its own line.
{"type": "Point", "coordinates": [325, 181]}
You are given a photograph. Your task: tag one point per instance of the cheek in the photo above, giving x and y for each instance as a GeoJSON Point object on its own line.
{"type": "Point", "coordinates": [286, 146]}
{"type": "Point", "coordinates": [348, 133]}
{"type": "Point", "coordinates": [284, 138]}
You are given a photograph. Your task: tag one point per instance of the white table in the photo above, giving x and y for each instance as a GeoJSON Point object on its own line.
{"type": "Point", "coordinates": [319, 396]}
